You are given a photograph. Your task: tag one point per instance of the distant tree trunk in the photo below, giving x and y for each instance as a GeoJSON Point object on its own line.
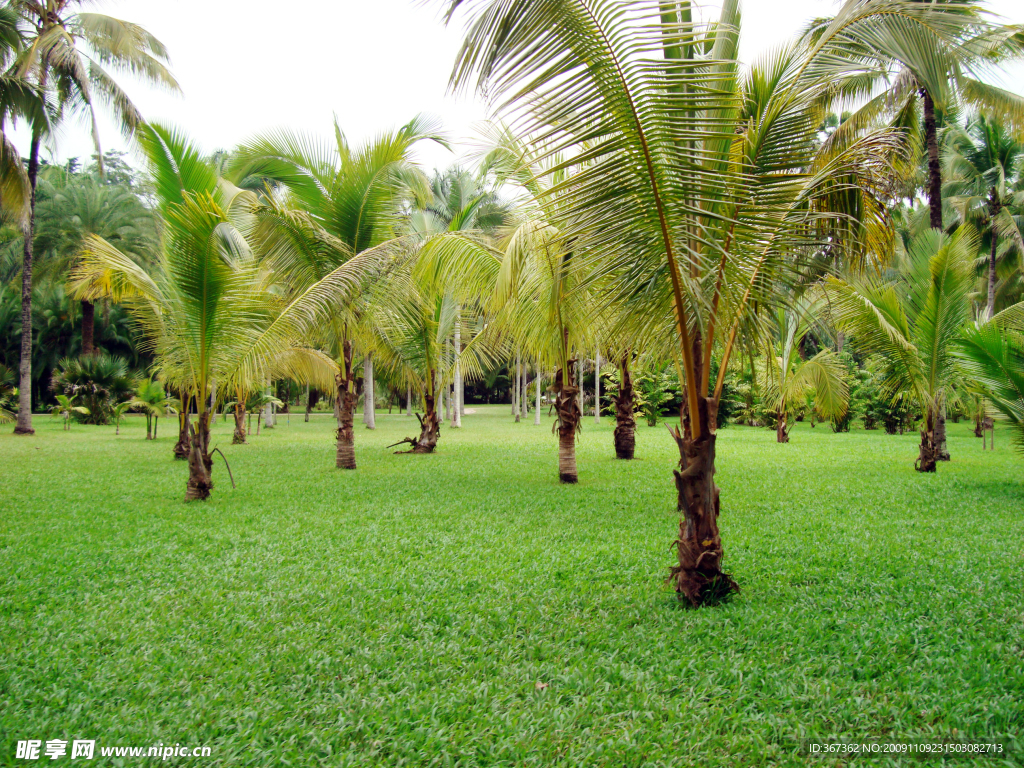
{"type": "Point", "coordinates": [782, 428]}
{"type": "Point", "coordinates": [345, 410]}
{"type": "Point", "coordinates": [516, 398]}
{"type": "Point", "coordinates": [408, 400]}
{"type": "Point", "coordinates": [268, 411]}
{"type": "Point", "coordinates": [928, 454]}
{"type": "Point", "coordinates": [200, 463]}
{"type": "Point", "coordinates": [567, 406]}
{"type": "Point", "coordinates": [24, 425]}
{"type": "Point", "coordinates": [536, 412]}
{"type": "Point", "coordinates": [941, 451]}
{"type": "Point", "coordinates": [149, 426]}
{"type": "Point", "coordinates": [625, 422]}
{"type": "Point", "coordinates": [990, 308]}
{"type": "Point", "coordinates": [88, 328]}
{"type": "Point", "coordinates": [369, 395]}
{"type": "Point", "coordinates": [459, 408]}
{"type": "Point", "coordinates": [312, 398]}
{"type": "Point", "coordinates": [238, 438]}
{"type": "Point", "coordinates": [597, 386]}
{"type": "Point", "coordinates": [698, 577]}
{"type": "Point", "coordinates": [931, 135]}
{"type": "Point", "coordinates": [156, 424]}
{"type": "Point", "coordinates": [259, 418]}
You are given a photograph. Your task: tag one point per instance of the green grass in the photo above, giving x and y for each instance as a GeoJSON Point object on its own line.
{"type": "Point", "coordinates": [465, 609]}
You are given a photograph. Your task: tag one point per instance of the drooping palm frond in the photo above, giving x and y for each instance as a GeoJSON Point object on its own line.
{"type": "Point", "coordinates": [994, 358]}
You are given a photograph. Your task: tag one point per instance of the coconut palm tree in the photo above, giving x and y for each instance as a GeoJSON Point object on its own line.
{"type": "Point", "coordinates": [940, 52]}
{"type": "Point", "coordinates": [208, 307]}
{"type": "Point", "coordinates": [984, 166]}
{"type": "Point", "coordinates": [914, 321]}
{"type": "Point", "coordinates": [117, 412]}
{"type": "Point", "coordinates": [68, 53]}
{"type": "Point", "coordinates": [81, 206]}
{"type": "Point", "coordinates": [152, 400]}
{"type": "Point", "coordinates": [788, 378]}
{"type": "Point", "coordinates": [694, 189]}
{"type": "Point", "coordinates": [341, 202]}
{"type": "Point", "coordinates": [993, 355]}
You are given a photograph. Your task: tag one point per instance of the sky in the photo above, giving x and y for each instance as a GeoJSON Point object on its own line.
{"type": "Point", "coordinates": [248, 67]}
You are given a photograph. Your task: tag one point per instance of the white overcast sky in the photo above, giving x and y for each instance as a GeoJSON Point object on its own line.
{"type": "Point", "coordinates": [246, 66]}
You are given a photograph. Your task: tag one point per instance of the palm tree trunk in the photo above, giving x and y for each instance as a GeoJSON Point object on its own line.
{"type": "Point", "coordinates": [625, 421]}
{"type": "Point", "coordinates": [931, 136]}
{"type": "Point", "coordinates": [408, 400]}
{"type": "Point", "coordinates": [927, 457]}
{"type": "Point", "coordinates": [149, 426]}
{"type": "Point", "coordinates": [536, 412]}
{"type": "Point", "coordinates": [156, 424]}
{"type": "Point", "coordinates": [182, 447]}
{"type": "Point", "coordinates": [698, 577]}
{"type": "Point", "coordinates": [781, 429]}
{"type": "Point", "coordinates": [597, 386]}
{"type": "Point", "coordinates": [238, 438]}
{"type": "Point", "coordinates": [88, 328]}
{"type": "Point", "coordinates": [567, 406]}
{"type": "Point", "coordinates": [990, 308]}
{"type": "Point", "coordinates": [430, 427]}
{"type": "Point", "coordinates": [24, 425]}
{"type": "Point", "coordinates": [460, 408]}
{"type": "Point", "coordinates": [345, 411]}
{"type": "Point", "coordinates": [200, 463]}
{"type": "Point", "coordinates": [517, 397]}
{"type": "Point", "coordinates": [941, 451]}
{"type": "Point", "coordinates": [369, 396]}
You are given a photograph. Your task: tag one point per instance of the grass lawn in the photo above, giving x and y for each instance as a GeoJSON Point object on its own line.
{"type": "Point", "coordinates": [463, 609]}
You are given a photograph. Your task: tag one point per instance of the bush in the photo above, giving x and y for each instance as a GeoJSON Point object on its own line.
{"type": "Point", "coordinates": [98, 381]}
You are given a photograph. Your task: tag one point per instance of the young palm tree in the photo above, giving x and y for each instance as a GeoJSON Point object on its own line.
{"type": "Point", "coordinates": [789, 378]}
{"type": "Point", "coordinates": [65, 407]}
{"type": "Point", "coordinates": [209, 309]}
{"type": "Point", "coordinates": [695, 186]}
{"type": "Point", "coordinates": [915, 321]}
{"type": "Point", "coordinates": [994, 357]}
{"type": "Point", "coordinates": [152, 400]}
{"type": "Point", "coordinates": [341, 202]}
{"type": "Point", "coordinates": [984, 164]}
{"type": "Point", "coordinates": [68, 52]}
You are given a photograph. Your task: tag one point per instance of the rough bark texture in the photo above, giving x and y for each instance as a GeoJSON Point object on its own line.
{"type": "Point", "coordinates": [88, 328]}
{"type": "Point", "coordinates": [625, 421]}
{"type": "Point", "coordinates": [782, 428]}
{"type": "Point", "coordinates": [994, 209]}
{"type": "Point", "coordinates": [698, 577]}
{"type": "Point", "coordinates": [181, 448]}
{"type": "Point", "coordinates": [345, 410]}
{"type": "Point", "coordinates": [200, 463]}
{"type": "Point", "coordinates": [430, 428]}
{"type": "Point", "coordinates": [941, 451]}
{"type": "Point", "coordinates": [931, 136]}
{"type": "Point", "coordinates": [238, 438]}
{"type": "Point", "coordinates": [567, 407]}
{"type": "Point", "coordinates": [311, 400]}
{"type": "Point", "coordinates": [928, 455]}
{"type": "Point", "coordinates": [24, 425]}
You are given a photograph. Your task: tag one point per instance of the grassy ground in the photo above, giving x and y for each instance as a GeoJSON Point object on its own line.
{"type": "Point", "coordinates": [464, 609]}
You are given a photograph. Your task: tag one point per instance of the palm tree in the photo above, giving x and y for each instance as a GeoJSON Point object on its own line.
{"type": "Point", "coordinates": [65, 407]}
{"type": "Point", "coordinates": [789, 378]}
{"type": "Point", "coordinates": [78, 207]}
{"type": "Point", "coordinates": [695, 187]}
{"type": "Point", "coordinates": [67, 52]}
{"type": "Point", "coordinates": [341, 203]}
{"type": "Point", "coordinates": [8, 394]}
{"type": "Point", "coordinates": [940, 52]}
{"type": "Point", "coordinates": [915, 321]}
{"type": "Point", "coordinates": [100, 380]}
{"type": "Point", "coordinates": [152, 400]}
{"type": "Point", "coordinates": [994, 357]}
{"type": "Point", "coordinates": [984, 166]}
{"type": "Point", "coordinates": [208, 307]}
{"type": "Point", "coordinates": [118, 411]}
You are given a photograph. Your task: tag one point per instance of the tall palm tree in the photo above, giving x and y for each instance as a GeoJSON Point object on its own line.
{"type": "Point", "coordinates": [984, 167]}
{"type": "Point", "coordinates": [208, 307]}
{"type": "Point", "coordinates": [19, 99]}
{"type": "Point", "coordinates": [341, 202]}
{"type": "Point", "coordinates": [68, 52]}
{"type": "Point", "coordinates": [938, 52]}
{"type": "Point", "coordinates": [67, 214]}
{"type": "Point", "coordinates": [695, 185]}
{"type": "Point", "coordinates": [914, 321]}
